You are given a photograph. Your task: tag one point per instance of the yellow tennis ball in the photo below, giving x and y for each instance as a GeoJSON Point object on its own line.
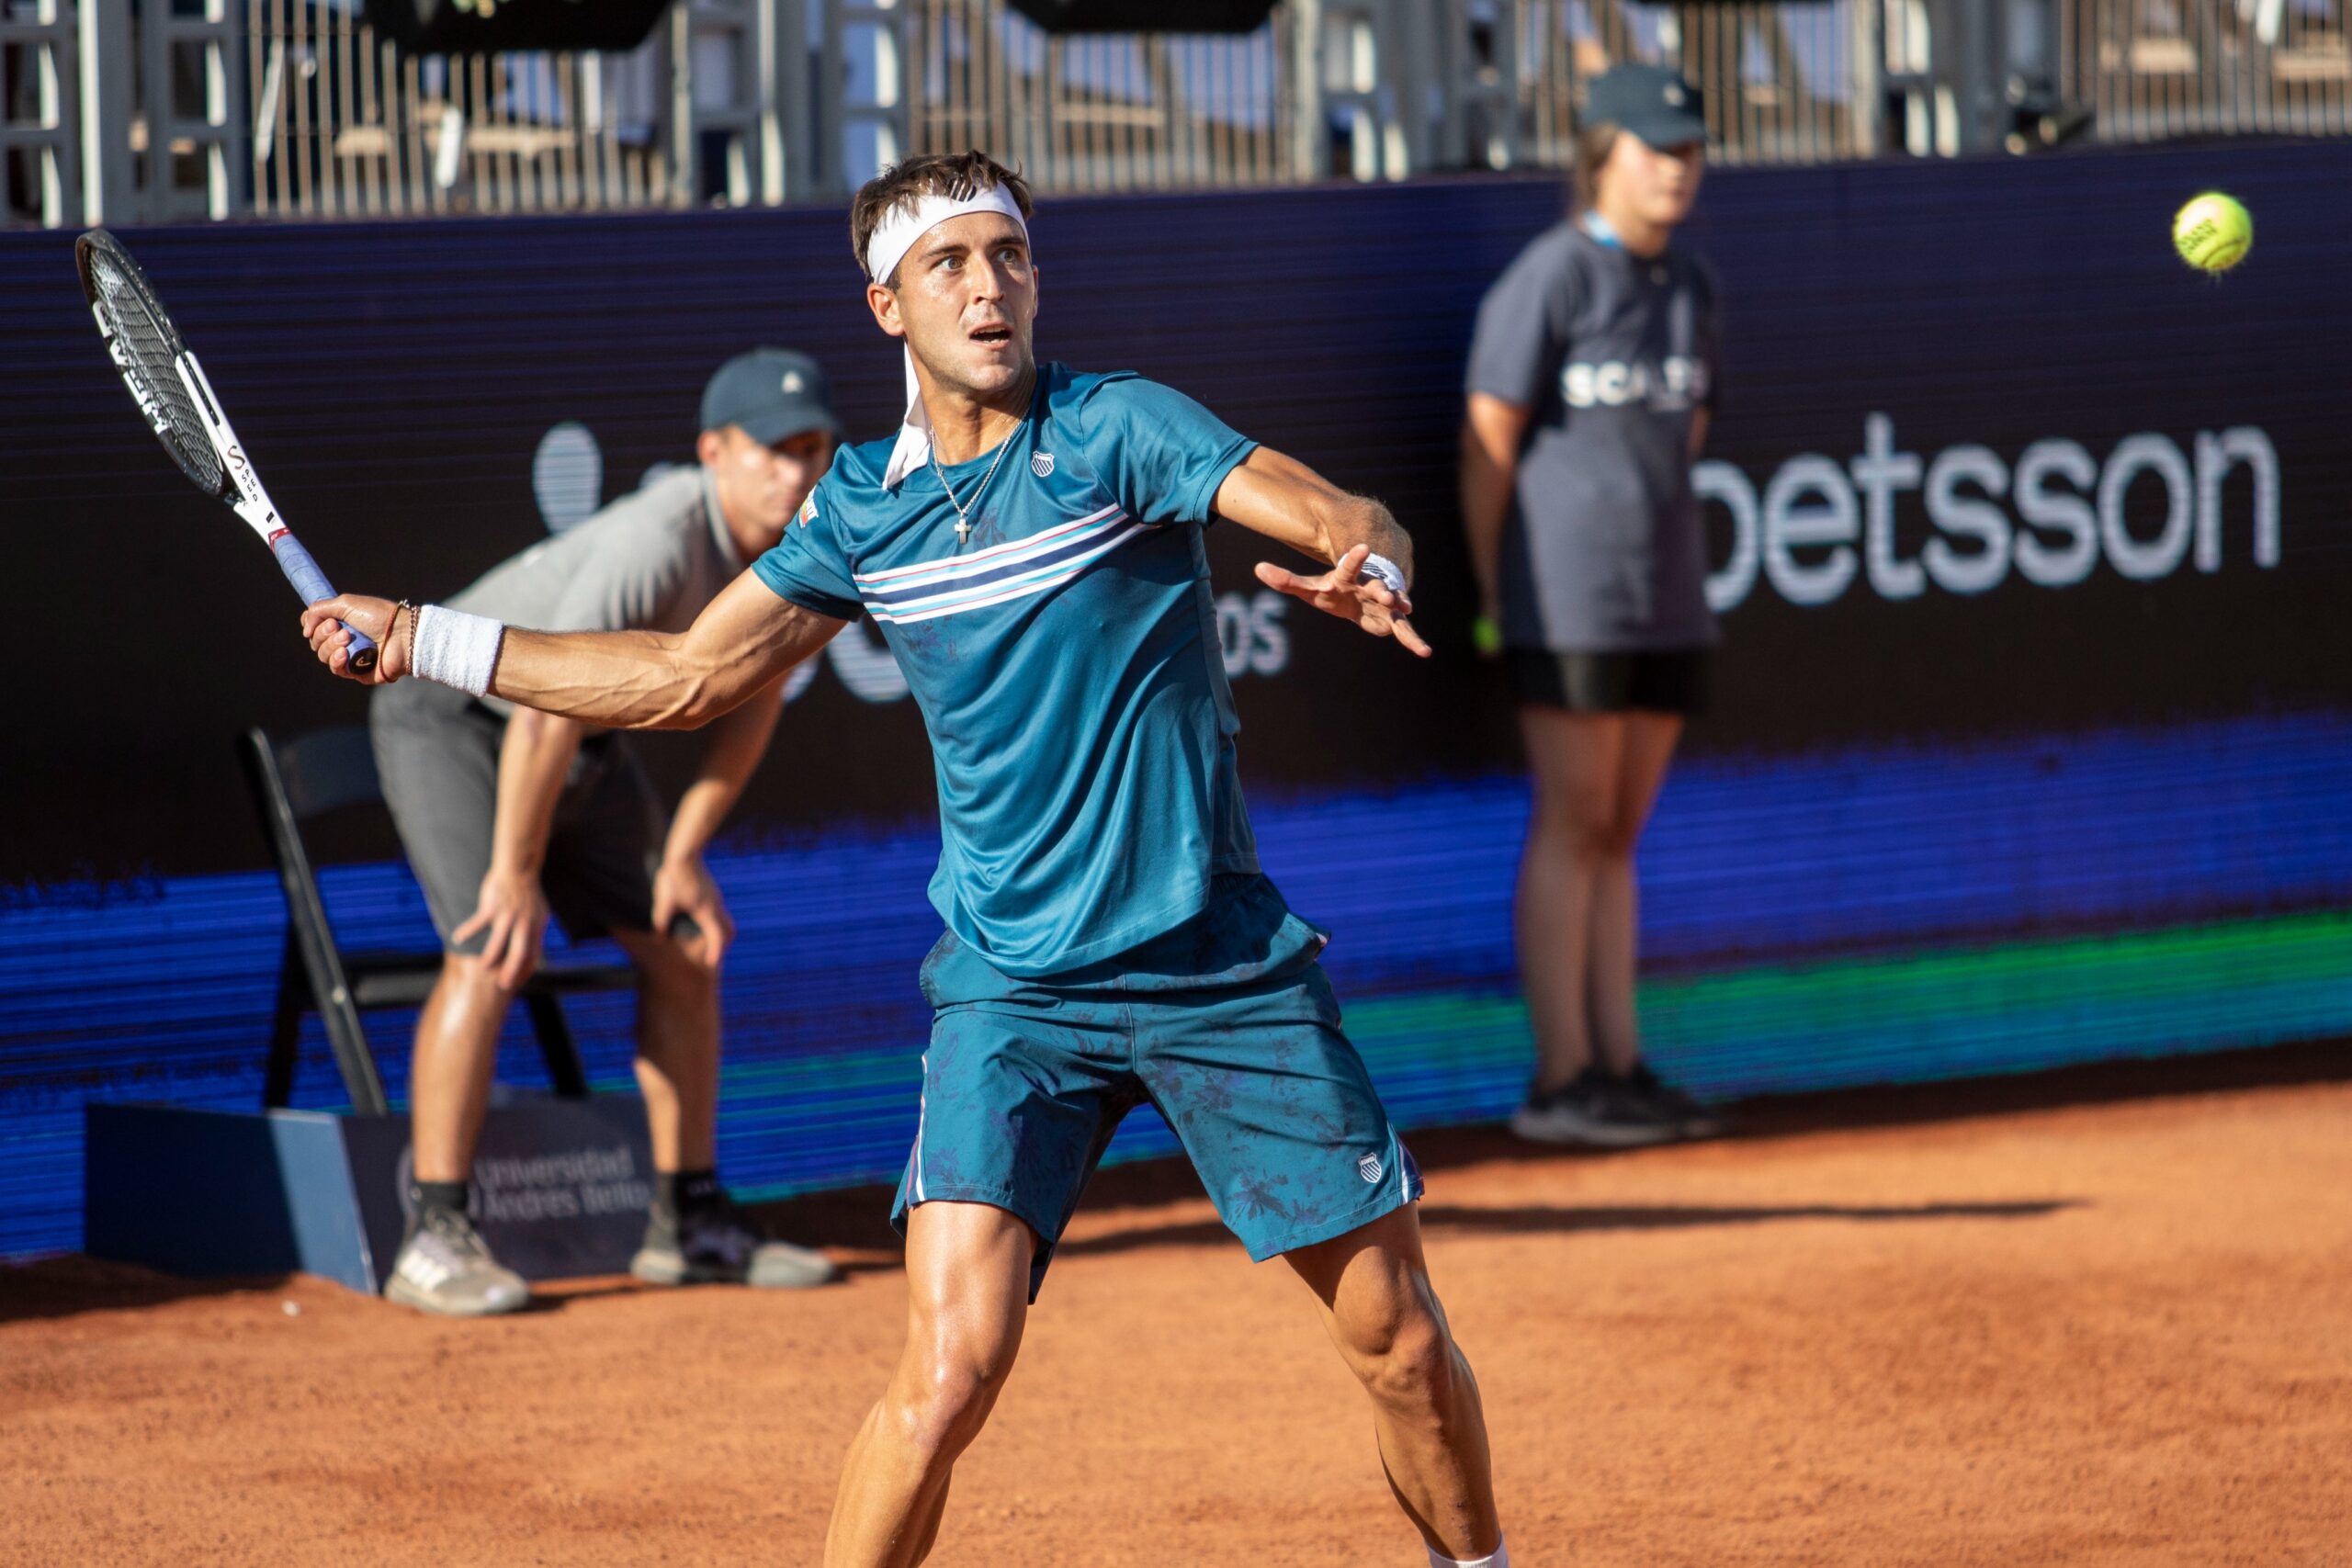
{"type": "Point", "coordinates": [2213, 233]}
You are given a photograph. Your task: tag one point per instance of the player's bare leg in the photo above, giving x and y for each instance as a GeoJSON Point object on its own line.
{"type": "Point", "coordinates": [677, 1050]}
{"type": "Point", "coordinates": [1577, 760]}
{"type": "Point", "coordinates": [1381, 1312]}
{"type": "Point", "coordinates": [449, 1074]}
{"type": "Point", "coordinates": [1647, 747]}
{"type": "Point", "coordinates": [442, 1266]}
{"type": "Point", "coordinates": [967, 1300]}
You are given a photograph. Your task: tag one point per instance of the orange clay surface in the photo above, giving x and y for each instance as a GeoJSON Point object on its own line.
{"type": "Point", "coordinates": [2102, 1318]}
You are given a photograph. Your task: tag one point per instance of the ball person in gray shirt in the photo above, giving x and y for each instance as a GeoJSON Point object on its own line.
{"type": "Point", "coordinates": [508, 815]}
{"type": "Point", "coordinates": [1591, 378]}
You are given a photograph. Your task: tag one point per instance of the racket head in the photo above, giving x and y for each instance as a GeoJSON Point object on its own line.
{"type": "Point", "coordinates": [146, 349]}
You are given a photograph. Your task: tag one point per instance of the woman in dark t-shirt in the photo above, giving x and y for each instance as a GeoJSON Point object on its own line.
{"type": "Point", "coordinates": [1591, 378]}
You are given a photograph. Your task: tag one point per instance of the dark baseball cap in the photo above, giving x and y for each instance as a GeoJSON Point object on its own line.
{"type": "Point", "coordinates": [1654, 103]}
{"type": "Point", "coordinates": [774, 394]}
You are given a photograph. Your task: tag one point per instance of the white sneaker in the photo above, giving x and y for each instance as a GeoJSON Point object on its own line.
{"type": "Point", "coordinates": [444, 1267]}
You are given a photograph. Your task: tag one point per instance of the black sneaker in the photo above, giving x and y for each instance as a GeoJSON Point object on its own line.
{"type": "Point", "coordinates": [712, 1244]}
{"type": "Point", "coordinates": [1691, 1119]}
{"type": "Point", "coordinates": [1592, 1110]}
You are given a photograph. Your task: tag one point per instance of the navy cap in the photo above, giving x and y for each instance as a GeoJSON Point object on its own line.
{"type": "Point", "coordinates": [772, 393]}
{"type": "Point", "coordinates": [1654, 103]}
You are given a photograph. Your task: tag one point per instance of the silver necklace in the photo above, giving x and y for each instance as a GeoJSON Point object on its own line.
{"type": "Point", "coordinates": [964, 517]}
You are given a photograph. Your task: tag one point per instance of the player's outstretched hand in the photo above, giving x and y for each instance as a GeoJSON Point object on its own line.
{"type": "Point", "coordinates": [328, 624]}
{"type": "Point", "coordinates": [1345, 593]}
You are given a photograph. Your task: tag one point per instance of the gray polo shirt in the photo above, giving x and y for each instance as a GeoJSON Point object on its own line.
{"type": "Point", "coordinates": [1603, 551]}
{"type": "Point", "coordinates": [650, 561]}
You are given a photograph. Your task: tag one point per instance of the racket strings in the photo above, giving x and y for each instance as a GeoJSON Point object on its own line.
{"type": "Point", "coordinates": [143, 350]}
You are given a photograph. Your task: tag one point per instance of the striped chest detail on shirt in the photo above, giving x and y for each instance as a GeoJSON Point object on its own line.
{"type": "Point", "coordinates": [997, 574]}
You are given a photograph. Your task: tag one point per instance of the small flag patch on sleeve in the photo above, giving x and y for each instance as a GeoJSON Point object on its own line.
{"type": "Point", "coordinates": [808, 514]}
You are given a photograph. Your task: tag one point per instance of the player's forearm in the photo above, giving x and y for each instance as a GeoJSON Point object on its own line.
{"type": "Point", "coordinates": [737, 743]}
{"type": "Point", "coordinates": [1354, 520]}
{"type": "Point", "coordinates": [620, 680]}
{"type": "Point", "coordinates": [533, 763]}
{"type": "Point", "coordinates": [1284, 499]}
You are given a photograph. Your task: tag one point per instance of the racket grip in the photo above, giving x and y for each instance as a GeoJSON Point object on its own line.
{"type": "Point", "coordinates": [312, 586]}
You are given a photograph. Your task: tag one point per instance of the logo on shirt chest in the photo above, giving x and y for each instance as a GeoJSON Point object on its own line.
{"type": "Point", "coordinates": [1041, 464]}
{"type": "Point", "coordinates": [1667, 386]}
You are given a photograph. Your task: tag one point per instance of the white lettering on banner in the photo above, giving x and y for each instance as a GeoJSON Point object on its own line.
{"type": "Point", "coordinates": [1881, 470]}
{"type": "Point", "coordinates": [1960, 516]}
{"type": "Point", "coordinates": [2070, 514]}
{"type": "Point", "coordinates": [1789, 527]}
{"type": "Point", "coordinates": [2070, 511]}
{"type": "Point", "coordinates": [2129, 556]}
{"type": "Point", "coordinates": [1250, 626]}
{"type": "Point", "coordinates": [564, 1186]}
{"type": "Point", "coordinates": [1715, 481]}
{"type": "Point", "coordinates": [2216, 456]}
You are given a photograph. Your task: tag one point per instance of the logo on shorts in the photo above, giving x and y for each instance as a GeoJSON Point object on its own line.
{"type": "Point", "coordinates": [1370, 1168]}
{"type": "Point", "coordinates": [1041, 464]}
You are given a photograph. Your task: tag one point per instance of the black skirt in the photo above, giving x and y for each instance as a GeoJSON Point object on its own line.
{"type": "Point", "coordinates": [1666, 681]}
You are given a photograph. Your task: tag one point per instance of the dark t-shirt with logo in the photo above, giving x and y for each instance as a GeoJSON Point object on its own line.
{"type": "Point", "coordinates": [1603, 551]}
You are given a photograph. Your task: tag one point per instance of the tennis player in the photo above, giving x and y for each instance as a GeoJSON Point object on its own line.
{"type": "Point", "coordinates": [1591, 379]}
{"type": "Point", "coordinates": [1030, 544]}
{"type": "Point", "coordinates": [508, 812]}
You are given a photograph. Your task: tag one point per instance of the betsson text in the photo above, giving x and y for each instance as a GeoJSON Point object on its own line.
{"type": "Point", "coordinates": [2050, 517]}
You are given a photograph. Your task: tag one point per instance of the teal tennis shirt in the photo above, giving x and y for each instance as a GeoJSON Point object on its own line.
{"type": "Point", "coordinates": [1065, 657]}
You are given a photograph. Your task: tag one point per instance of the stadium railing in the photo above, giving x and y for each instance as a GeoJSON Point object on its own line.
{"type": "Point", "coordinates": [148, 110]}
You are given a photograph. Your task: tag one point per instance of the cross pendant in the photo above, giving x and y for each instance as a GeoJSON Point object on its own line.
{"type": "Point", "coordinates": [963, 533]}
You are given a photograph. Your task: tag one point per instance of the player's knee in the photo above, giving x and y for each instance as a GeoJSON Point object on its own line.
{"type": "Point", "coordinates": [472, 979]}
{"type": "Point", "coordinates": [1415, 1377]}
{"type": "Point", "coordinates": [672, 972]}
{"type": "Point", "coordinates": [1406, 1361]}
{"type": "Point", "coordinates": [947, 1399]}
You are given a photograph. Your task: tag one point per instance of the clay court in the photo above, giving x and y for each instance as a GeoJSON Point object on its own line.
{"type": "Point", "coordinates": [2097, 1318]}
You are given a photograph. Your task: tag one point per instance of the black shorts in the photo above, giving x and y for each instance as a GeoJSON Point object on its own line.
{"type": "Point", "coordinates": [1666, 681]}
{"type": "Point", "coordinates": [436, 751]}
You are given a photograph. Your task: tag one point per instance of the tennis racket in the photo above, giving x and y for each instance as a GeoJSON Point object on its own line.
{"type": "Point", "coordinates": [170, 389]}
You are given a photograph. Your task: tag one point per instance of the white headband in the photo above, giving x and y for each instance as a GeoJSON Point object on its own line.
{"type": "Point", "coordinates": [897, 232]}
{"type": "Point", "coordinates": [892, 239]}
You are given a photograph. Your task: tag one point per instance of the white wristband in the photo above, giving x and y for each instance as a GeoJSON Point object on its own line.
{"type": "Point", "coordinates": [455, 648]}
{"type": "Point", "coordinates": [1381, 569]}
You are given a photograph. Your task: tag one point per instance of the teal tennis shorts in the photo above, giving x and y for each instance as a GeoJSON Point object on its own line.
{"type": "Point", "coordinates": [1225, 1025]}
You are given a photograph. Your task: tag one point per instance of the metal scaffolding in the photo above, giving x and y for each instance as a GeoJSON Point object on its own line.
{"type": "Point", "coordinates": [151, 110]}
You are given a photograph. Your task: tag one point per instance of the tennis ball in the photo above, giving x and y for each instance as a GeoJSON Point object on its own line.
{"type": "Point", "coordinates": [2213, 233]}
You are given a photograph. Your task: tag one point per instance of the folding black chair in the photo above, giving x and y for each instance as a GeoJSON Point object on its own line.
{"type": "Point", "coordinates": [305, 778]}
